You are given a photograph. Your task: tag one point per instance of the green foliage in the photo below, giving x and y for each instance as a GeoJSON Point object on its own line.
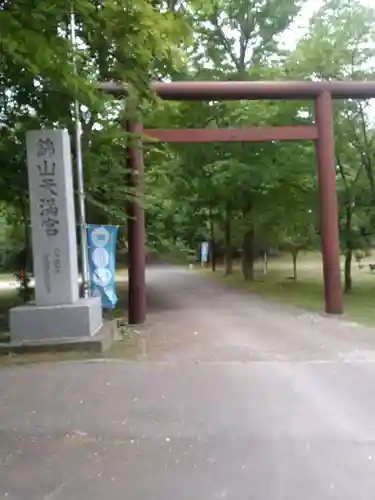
{"type": "Point", "coordinates": [251, 25]}
{"type": "Point", "coordinates": [25, 290]}
{"type": "Point", "coordinates": [239, 194]}
{"type": "Point", "coordinates": [42, 74]}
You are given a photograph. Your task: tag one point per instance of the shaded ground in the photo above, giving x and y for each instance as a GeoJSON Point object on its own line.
{"type": "Point", "coordinates": [228, 396]}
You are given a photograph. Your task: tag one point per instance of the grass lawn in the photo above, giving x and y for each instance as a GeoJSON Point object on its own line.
{"type": "Point", "coordinates": [307, 291]}
{"type": "Point", "coordinates": [7, 277]}
{"type": "Point", "coordinates": [8, 299]}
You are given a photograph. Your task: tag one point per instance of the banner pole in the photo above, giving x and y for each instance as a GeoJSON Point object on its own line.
{"type": "Point", "coordinates": [80, 180]}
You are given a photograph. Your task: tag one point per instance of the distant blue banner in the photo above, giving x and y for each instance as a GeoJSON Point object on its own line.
{"type": "Point", "coordinates": [205, 247]}
{"type": "Point", "coordinates": [102, 263]}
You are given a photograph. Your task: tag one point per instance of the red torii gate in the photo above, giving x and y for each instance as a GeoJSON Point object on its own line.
{"type": "Point", "coordinates": [322, 132]}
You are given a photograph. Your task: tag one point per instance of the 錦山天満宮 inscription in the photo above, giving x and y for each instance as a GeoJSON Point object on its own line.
{"type": "Point", "coordinates": [49, 210]}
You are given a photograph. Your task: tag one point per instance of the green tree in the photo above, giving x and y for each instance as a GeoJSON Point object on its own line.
{"type": "Point", "coordinates": [251, 25]}
{"type": "Point", "coordinates": [340, 44]}
{"type": "Point", "coordinates": [42, 74]}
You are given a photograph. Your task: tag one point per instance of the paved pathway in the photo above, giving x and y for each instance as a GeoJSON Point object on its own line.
{"type": "Point", "coordinates": [231, 398]}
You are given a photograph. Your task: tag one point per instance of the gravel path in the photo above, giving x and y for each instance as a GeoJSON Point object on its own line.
{"type": "Point", "coordinates": [192, 318]}
{"type": "Point", "coordinates": [233, 398]}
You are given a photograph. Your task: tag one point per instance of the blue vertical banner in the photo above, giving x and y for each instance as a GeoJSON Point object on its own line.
{"type": "Point", "coordinates": [102, 263]}
{"type": "Point", "coordinates": [205, 247]}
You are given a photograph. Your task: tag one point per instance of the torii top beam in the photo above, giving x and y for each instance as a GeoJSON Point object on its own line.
{"type": "Point", "coordinates": [251, 90]}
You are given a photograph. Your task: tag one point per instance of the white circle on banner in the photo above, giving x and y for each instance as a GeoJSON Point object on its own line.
{"type": "Point", "coordinates": [102, 276]}
{"type": "Point", "coordinates": [100, 237]}
{"type": "Point", "coordinates": [100, 257]}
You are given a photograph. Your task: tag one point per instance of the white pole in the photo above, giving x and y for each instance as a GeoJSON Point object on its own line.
{"type": "Point", "coordinates": [80, 179]}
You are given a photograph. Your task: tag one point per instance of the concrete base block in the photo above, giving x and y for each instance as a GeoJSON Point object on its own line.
{"type": "Point", "coordinates": [73, 321]}
{"type": "Point", "coordinates": [95, 344]}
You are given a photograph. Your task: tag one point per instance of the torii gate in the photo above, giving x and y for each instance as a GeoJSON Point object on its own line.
{"type": "Point", "coordinates": [321, 132]}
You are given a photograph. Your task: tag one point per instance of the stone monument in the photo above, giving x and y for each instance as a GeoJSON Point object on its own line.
{"type": "Point", "coordinates": [58, 312]}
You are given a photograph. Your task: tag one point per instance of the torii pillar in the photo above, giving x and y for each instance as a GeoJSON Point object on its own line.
{"type": "Point", "coordinates": [136, 221]}
{"type": "Point", "coordinates": [329, 214]}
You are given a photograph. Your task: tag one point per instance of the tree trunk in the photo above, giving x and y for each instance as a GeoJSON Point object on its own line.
{"type": "Point", "coordinates": [28, 263]}
{"type": "Point", "coordinates": [294, 257]}
{"type": "Point", "coordinates": [248, 255]}
{"type": "Point", "coordinates": [212, 241]}
{"type": "Point", "coordinates": [265, 263]}
{"type": "Point", "coordinates": [348, 282]}
{"type": "Point", "coordinates": [348, 285]}
{"type": "Point", "coordinates": [228, 243]}
{"type": "Point", "coordinates": [27, 249]}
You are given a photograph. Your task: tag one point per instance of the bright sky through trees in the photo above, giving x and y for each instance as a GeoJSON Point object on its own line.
{"type": "Point", "coordinates": [300, 25]}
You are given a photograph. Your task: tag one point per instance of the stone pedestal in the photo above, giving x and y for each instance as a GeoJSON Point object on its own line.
{"type": "Point", "coordinates": [33, 322]}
